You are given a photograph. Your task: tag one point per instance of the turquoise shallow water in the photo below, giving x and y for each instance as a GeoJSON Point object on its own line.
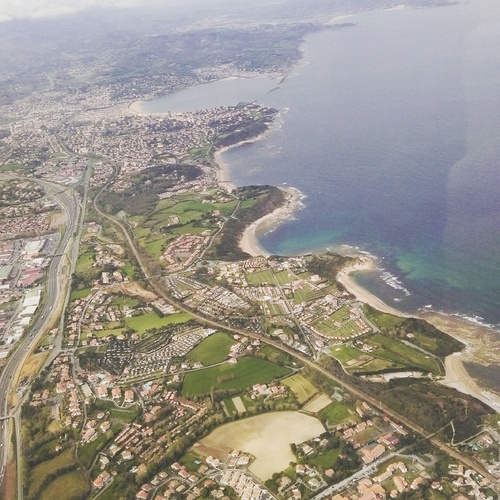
{"type": "Point", "coordinates": [389, 129]}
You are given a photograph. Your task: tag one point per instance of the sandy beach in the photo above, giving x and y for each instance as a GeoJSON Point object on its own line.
{"type": "Point", "coordinates": [458, 378]}
{"type": "Point", "coordinates": [223, 178]}
{"type": "Point", "coordinates": [249, 242]}
{"type": "Point", "coordinates": [481, 344]}
{"type": "Point", "coordinates": [366, 264]}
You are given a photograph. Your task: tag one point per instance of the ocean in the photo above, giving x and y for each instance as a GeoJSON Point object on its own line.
{"type": "Point", "coordinates": [390, 130]}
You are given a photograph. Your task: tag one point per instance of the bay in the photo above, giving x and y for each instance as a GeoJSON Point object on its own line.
{"type": "Point", "coordinates": [389, 128]}
{"type": "Point", "coordinates": [391, 133]}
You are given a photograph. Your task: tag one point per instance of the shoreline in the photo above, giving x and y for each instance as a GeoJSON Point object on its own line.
{"type": "Point", "coordinates": [362, 294]}
{"type": "Point", "coordinates": [249, 242]}
{"type": "Point", "coordinates": [456, 374]}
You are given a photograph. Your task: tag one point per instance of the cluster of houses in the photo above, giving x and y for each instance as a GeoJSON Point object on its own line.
{"type": "Point", "coordinates": [184, 250]}
{"type": "Point", "coordinates": [137, 140]}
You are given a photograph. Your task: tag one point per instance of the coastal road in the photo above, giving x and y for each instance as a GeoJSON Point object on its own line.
{"type": "Point", "coordinates": [158, 287]}
{"type": "Point", "coordinates": [55, 285]}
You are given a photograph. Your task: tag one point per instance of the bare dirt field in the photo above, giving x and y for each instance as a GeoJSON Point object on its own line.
{"type": "Point", "coordinates": [135, 289]}
{"type": "Point", "coordinates": [267, 437]}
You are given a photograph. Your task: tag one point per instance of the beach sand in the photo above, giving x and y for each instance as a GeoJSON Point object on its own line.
{"type": "Point", "coordinates": [249, 242]}
{"type": "Point", "coordinates": [223, 178]}
{"type": "Point", "coordinates": [366, 264]}
{"type": "Point", "coordinates": [458, 378]}
{"type": "Point", "coordinates": [478, 340]}
{"type": "Point", "coordinates": [136, 108]}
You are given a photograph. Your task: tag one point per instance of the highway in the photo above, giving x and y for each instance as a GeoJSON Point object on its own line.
{"type": "Point", "coordinates": [57, 282]}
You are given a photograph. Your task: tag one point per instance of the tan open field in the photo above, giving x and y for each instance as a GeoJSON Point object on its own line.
{"type": "Point", "coordinates": [318, 403]}
{"type": "Point", "coordinates": [238, 404]}
{"type": "Point", "coordinates": [33, 364]}
{"type": "Point", "coordinates": [302, 388]}
{"type": "Point", "coordinates": [135, 289]}
{"type": "Point", "coordinates": [267, 437]}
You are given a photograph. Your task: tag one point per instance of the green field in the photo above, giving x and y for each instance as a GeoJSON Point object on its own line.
{"type": "Point", "coordinates": [85, 261]}
{"type": "Point", "coordinates": [80, 294]}
{"type": "Point", "coordinates": [191, 460]}
{"type": "Point", "coordinates": [345, 353]}
{"type": "Point", "coordinates": [277, 356]}
{"type": "Point", "coordinates": [302, 388]}
{"type": "Point", "coordinates": [377, 365]}
{"type": "Point", "coordinates": [394, 350]}
{"type": "Point", "coordinates": [213, 349]}
{"type": "Point", "coordinates": [229, 404]}
{"type": "Point", "coordinates": [388, 353]}
{"type": "Point", "coordinates": [126, 415]}
{"type": "Point", "coordinates": [43, 469]}
{"type": "Point", "coordinates": [151, 320]}
{"type": "Point", "coordinates": [260, 277]}
{"type": "Point", "coordinates": [284, 277]}
{"type": "Point", "coordinates": [335, 413]}
{"type": "Point", "coordinates": [326, 459]}
{"type": "Point", "coordinates": [124, 300]}
{"type": "Point", "coordinates": [70, 486]}
{"type": "Point", "coordinates": [154, 246]}
{"type": "Point", "coordinates": [245, 373]}
{"type": "Point", "coordinates": [382, 320]}
{"type": "Point", "coordinates": [87, 452]}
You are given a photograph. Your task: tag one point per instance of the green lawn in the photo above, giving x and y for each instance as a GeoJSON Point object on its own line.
{"type": "Point", "coordinates": [229, 404]}
{"type": "Point", "coordinates": [284, 277]}
{"type": "Point", "coordinates": [245, 373]}
{"type": "Point", "coordinates": [260, 277]}
{"type": "Point", "coordinates": [124, 300]}
{"type": "Point", "coordinates": [126, 415]}
{"type": "Point", "coordinates": [213, 349]}
{"type": "Point", "coordinates": [382, 320]}
{"type": "Point", "coordinates": [335, 413]}
{"type": "Point", "coordinates": [327, 459]}
{"type": "Point", "coordinates": [345, 353]}
{"type": "Point", "coordinates": [70, 486]}
{"type": "Point", "coordinates": [302, 388]}
{"type": "Point", "coordinates": [152, 320]}
{"type": "Point", "coordinates": [277, 356]}
{"type": "Point", "coordinates": [248, 203]}
{"type": "Point", "coordinates": [87, 452]}
{"type": "Point", "coordinates": [85, 261]}
{"type": "Point", "coordinates": [80, 294]}
{"type": "Point", "coordinates": [154, 246]}
{"type": "Point", "coordinates": [394, 350]}
{"type": "Point", "coordinates": [190, 229]}
{"type": "Point", "coordinates": [376, 365]}
{"type": "Point", "coordinates": [189, 206]}
{"type": "Point", "coordinates": [190, 459]}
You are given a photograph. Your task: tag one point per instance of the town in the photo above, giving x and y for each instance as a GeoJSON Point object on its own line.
{"type": "Point", "coordinates": [145, 354]}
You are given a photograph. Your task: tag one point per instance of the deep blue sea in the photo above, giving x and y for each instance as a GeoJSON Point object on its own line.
{"type": "Point", "coordinates": [391, 130]}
